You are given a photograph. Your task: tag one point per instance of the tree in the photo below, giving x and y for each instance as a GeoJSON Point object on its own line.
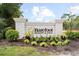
{"type": "Point", "coordinates": [2, 27]}
{"type": "Point", "coordinates": [76, 23]}
{"type": "Point", "coordinates": [10, 11]}
{"type": "Point", "coordinates": [69, 20]}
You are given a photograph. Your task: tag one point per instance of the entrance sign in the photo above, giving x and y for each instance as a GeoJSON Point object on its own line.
{"type": "Point", "coordinates": [43, 31]}
{"type": "Point", "coordinates": [38, 28]}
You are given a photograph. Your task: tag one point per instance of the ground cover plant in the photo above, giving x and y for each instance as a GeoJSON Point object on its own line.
{"type": "Point", "coordinates": [59, 40]}
{"type": "Point", "coordinates": [33, 46]}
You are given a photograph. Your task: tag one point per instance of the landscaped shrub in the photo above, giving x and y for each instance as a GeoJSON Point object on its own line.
{"type": "Point", "coordinates": [41, 39]}
{"type": "Point", "coordinates": [77, 35]}
{"type": "Point", "coordinates": [37, 39]}
{"type": "Point", "coordinates": [34, 43]}
{"type": "Point", "coordinates": [6, 29]}
{"type": "Point", "coordinates": [11, 35]}
{"type": "Point", "coordinates": [59, 43]}
{"type": "Point", "coordinates": [51, 39]}
{"type": "Point", "coordinates": [46, 39]}
{"type": "Point", "coordinates": [56, 39]}
{"type": "Point", "coordinates": [63, 36]}
{"type": "Point", "coordinates": [32, 39]}
{"type": "Point", "coordinates": [53, 43]}
{"type": "Point", "coordinates": [66, 42]}
{"type": "Point", "coordinates": [26, 41]}
{"type": "Point", "coordinates": [43, 44]}
{"type": "Point", "coordinates": [72, 35]}
{"type": "Point", "coordinates": [28, 34]}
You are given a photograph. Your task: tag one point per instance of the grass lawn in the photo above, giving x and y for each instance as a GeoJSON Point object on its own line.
{"type": "Point", "coordinates": [20, 51]}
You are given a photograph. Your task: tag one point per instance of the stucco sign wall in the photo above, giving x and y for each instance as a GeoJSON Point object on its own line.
{"type": "Point", "coordinates": [38, 28]}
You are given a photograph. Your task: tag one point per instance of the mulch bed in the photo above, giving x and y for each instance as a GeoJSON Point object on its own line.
{"type": "Point", "coordinates": [73, 46]}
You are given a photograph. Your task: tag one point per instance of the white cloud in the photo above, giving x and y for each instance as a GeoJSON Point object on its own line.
{"type": "Point", "coordinates": [74, 9]}
{"type": "Point", "coordinates": [35, 11]}
{"type": "Point", "coordinates": [40, 13]}
{"type": "Point", "coordinates": [44, 12]}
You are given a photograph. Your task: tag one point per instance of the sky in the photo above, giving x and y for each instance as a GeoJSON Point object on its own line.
{"type": "Point", "coordinates": [45, 12]}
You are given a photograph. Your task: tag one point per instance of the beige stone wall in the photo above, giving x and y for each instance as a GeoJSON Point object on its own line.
{"type": "Point", "coordinates": [22, 26]}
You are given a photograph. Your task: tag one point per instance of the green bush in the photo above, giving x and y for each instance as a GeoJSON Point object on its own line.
{"type": "Point", "coordinates": [1, 35]}
{"type": "Point", "coordinates": [72, 35]}
{"type": "Point", "coordinates": [11, 35]}
{"type": "Point", "coordinates": [63, 36]}
{"type": "Point", "coordinates": [2, 27]}
{"type": "Point", "coordinates": [26, 41]}
{"type": "Point", "coordinates": [51, 39]}
{"type": "Point", "coordinates": [56, 39]}
{"type": "Point", "coordinates": [43, 44]}
{"type": "Point", "coordinates": [34, 43]}
{"type": "Point", "coordinates": [53, 43]}
{"type": "Point", "coordinates": [28, 34]}
{"type": "Point", "coordinates": [41, 39]}
{"type": "Point", "coordinates": [59, 43]}
{"type": "Point", "coordinates": [77, 35]}
{"type": "Point", "coordinates": [4, 31]}
{"type": "Point", "coordinates": [66, 42]}
{"type": "Point", "coordinates": [35, 39]}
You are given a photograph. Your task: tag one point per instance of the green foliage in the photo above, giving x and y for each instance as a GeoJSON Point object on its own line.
{"type": "Point", "coordinates": [76, 23]}
{"type": "Point", "coordinates": [56, 39]}
{"type": "Point", "coordinates": [28, 34]}
{"type": "Point", "coordinates": [72, 35]}
{"type": "Point", "coordinates": [11, 35]}
{"type": "Point", "coordinates": [53, 43]}
{"type": "Point", "coordinates": [34, 43]}
{"type": "Point", "coordinates": [59, 43]}
{"type": "Point", "coordinates": [77, 35]}
{"type": "Point", "coordinates": [4, 31]}
{"type": "Point", "coordinates": [10, 11]}
{"type": "Point", "coordinates": [2, 27]}
{"type": "Point", "coordinates": [43, 39]}
{"type": "Point", "coordinates": [70, 22]}
{"type": "Point", "coordinates": [26, 41]}
{"type": "Point", "coordinates": [66, 42]}
{"type": "Point", "coordinates": [69, 19]}
{"type": "Point", "coordinates": [63, 37]}
{"type": "Point", "coordinates": [1, 35]}
{"type": "Point", "coordinates": [43, 44]}
{"type": "Point", "coordinates": [35, 39]}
